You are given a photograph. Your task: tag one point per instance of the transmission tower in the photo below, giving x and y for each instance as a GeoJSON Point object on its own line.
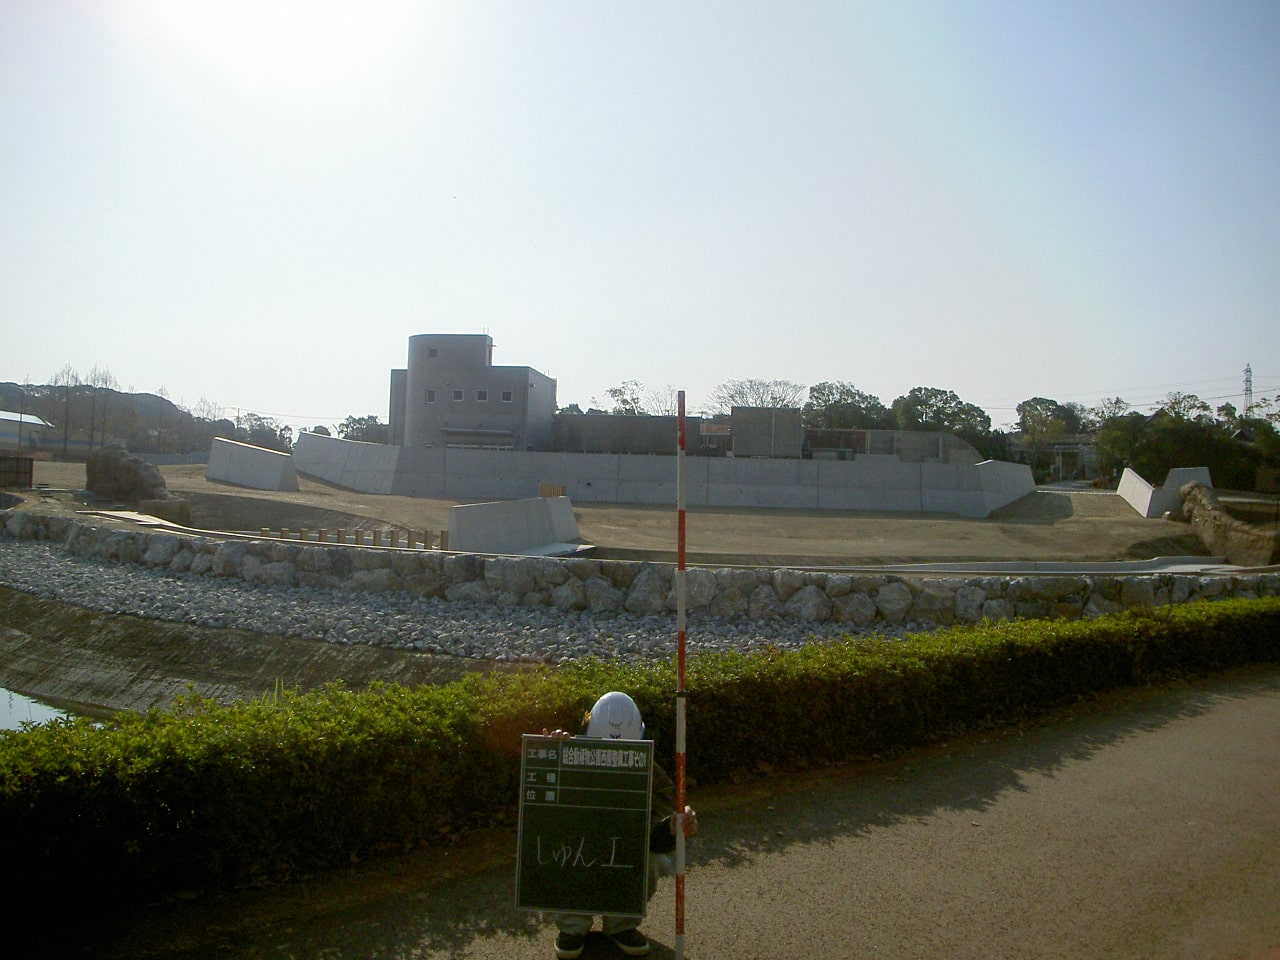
{"type": "Point", "coordinates": [1248, 390]}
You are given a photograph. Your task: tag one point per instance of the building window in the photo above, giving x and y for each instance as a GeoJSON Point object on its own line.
{"type": "Point", "coordinates": [457, 395]}
{"type": "Point", "coordinates": [482, 395]}
{"type": "Point", "coordinates": [431, 395]}
{"type": "Point", "coordinates": [507, 396]}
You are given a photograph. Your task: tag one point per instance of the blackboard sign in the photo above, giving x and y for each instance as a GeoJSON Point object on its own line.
{"type": "Point", "coordinates": [584, 826]}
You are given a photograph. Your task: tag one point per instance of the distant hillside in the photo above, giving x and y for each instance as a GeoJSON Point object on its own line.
{"type": "Point", "coordinates": [85, 416]}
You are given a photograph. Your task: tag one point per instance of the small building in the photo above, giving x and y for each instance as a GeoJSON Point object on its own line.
{"type": "Point", "coordinates": [452, 395]}
{"type": "Point", "coordinates": [774, 432]}
{"type": "Point", "coordinates": [21, 432]}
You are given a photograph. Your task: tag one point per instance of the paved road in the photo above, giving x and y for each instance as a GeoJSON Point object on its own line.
{"type": "Point", "coordinates": [1143, 826]}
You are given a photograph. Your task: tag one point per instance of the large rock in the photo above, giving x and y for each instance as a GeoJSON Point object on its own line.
{"type": "Point", "coordinates": [810, 604]}
{"type": "Point", "coordinates": [114, 474]}
{"type": "Point", "coordinates": [893, 600]}
{"type": "Point", "coordinates": [648, 592]}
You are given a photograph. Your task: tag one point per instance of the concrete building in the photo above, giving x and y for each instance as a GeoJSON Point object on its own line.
{"type": "Point", "coordinates": [608, 433]}
{"type": "Point", "coordinates": [773, 432]}
{"type": "Point", "coordinates": [464, 429]}
{"type": "Point", "coordinates": [909, 446]}
{"type": "Point", "coordinates": [452, 396]}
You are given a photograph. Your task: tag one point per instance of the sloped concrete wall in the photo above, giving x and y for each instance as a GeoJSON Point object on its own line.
{"type": "Point", "coordinates": [511, 526]}
{"type": "Point", "coordinates": [1152, 501]}
{"type": "Point", "coordinates": [1003, 483]}
{"type": "Point", "coordinates": [248, 466]}
{"type": "Point", "coordinates": [367, 467]}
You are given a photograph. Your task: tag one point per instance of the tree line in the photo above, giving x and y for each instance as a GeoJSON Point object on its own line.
{"type": "Point", "coordinates": [1183, 431]}
{"type": "Point", "coordinates": [88, 412]}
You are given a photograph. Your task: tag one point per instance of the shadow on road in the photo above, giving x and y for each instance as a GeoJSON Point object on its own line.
{"type": "Point", "coordinates": [442, 902]}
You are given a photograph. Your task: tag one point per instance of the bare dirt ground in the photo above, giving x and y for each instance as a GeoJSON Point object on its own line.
{"type": "Point", "coordinates": [1046, 525]}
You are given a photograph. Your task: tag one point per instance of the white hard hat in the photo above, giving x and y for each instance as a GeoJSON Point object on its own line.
{"type": "Point", "coordinates": [615, 717]}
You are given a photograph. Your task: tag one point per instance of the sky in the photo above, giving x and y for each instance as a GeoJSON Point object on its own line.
{"type": "Point", "coordinates": [254, 204]}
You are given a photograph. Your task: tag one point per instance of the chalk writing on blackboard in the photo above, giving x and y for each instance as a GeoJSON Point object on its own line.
{"type": "Point", "coordinates": [584, 825]}
{"type": "Point", "coordinates": [568, 855]}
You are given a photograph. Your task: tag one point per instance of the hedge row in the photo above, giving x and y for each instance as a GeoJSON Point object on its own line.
{"type": "Point", "coordinates": [202, 796]}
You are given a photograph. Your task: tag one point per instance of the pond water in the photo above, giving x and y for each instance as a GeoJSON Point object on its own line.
{"type": "Point", "coordinates": [15, 709]}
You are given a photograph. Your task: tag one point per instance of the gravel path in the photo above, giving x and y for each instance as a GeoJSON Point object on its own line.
{"type": "Point", "coordinates": [396, 621]}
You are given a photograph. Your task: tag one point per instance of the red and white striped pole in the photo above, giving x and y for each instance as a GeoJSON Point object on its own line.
{"type": "Point", "coordinates": [680, 692]}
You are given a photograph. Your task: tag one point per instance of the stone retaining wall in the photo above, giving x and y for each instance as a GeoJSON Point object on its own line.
{"type": "Point", "coordinates": [641, 588]}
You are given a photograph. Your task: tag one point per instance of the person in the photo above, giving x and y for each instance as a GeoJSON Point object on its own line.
{"type": "Point", "coordinates": [615, 716]}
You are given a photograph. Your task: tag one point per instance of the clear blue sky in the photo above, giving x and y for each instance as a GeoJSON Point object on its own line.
{"type": "Point", "coordinates": [258, 203]}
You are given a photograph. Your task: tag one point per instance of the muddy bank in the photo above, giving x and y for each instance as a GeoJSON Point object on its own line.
{"type": "Point", "coordinates": [92, 662]}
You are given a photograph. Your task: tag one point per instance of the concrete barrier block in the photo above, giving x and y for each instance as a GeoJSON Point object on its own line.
{"type": "Point", "coordinates": [248, 466]}
{"type": "Point", "coordinates": [531, 525]}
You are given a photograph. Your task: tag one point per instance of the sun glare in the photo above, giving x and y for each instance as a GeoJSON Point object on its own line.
{"type": "Point", "coordinates": [294, 52]}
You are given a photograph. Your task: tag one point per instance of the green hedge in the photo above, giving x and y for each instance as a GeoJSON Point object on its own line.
{"type": "Point", "coordinates": [201, 796]}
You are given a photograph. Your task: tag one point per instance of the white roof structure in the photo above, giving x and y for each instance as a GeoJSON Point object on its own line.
{"type": "Point", "coordinates": [24, 418]}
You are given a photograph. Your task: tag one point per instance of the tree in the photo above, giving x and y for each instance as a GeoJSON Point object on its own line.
{"type": "Point", "coordinates": [1170, 441]}
{"type": "Point", "coordinates": [1229, 416]}
{"type": "Point", "coordinates": [1116, 440]}
{"type": "Point", "coordinates": [264, 432]}
{"type": "Point", "coordinates": [756, 393]}
{"type": "Point", "coordinates": [1075, 417]}
{"type": "Point", "coordinates": [206, 409]}
{"type": "Point", "coordinates": [571, 410]}
{"type": "Point", "coordinates": [969, 418]}
{"type": "Point", "coordinates": [836, 405]}
{"type": "Point", "coordinates": [1041, 421]}
{"type": "Point", "coordinates": [663, 402]}
{"type": "Point", "coordinates": [931, 408]}
{"type": "Point", "coordinates": [103, 382]}
{"type": "Point", "coordinates": [66, 379]}
{"type": "Point", "coordinates": [1266, 408]}
{"type": "Point", "coordinates": [364, 429]}
{"type": "Point", "coordinates": [164, 397]}
{"type": "Point", "coordinates": [322, 430]}
{"type": "Point", "coordinates": [1186, 406]}
{"type": "Point", "coordinates": [1108, 409]}
{"type": "Point", "coordinates": [626, 398]}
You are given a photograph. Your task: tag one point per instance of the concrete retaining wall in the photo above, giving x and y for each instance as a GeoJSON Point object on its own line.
{"type": "Point", "coordinates": [870, 482]}
{"type": "Point", "coordinates": [512, 526]}
{"type": "Point", "coordinates": [1152, 501]}
{"type": "Point", "coordinates": [248, 466]}
{"type": "Point", "coordinates": [367, 467]}
{"type": "Point", "coordinates": [862, 600]}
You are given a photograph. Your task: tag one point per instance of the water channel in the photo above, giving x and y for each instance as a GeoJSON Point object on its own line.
{"type": "Point", "coordinates": [15, 710]}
